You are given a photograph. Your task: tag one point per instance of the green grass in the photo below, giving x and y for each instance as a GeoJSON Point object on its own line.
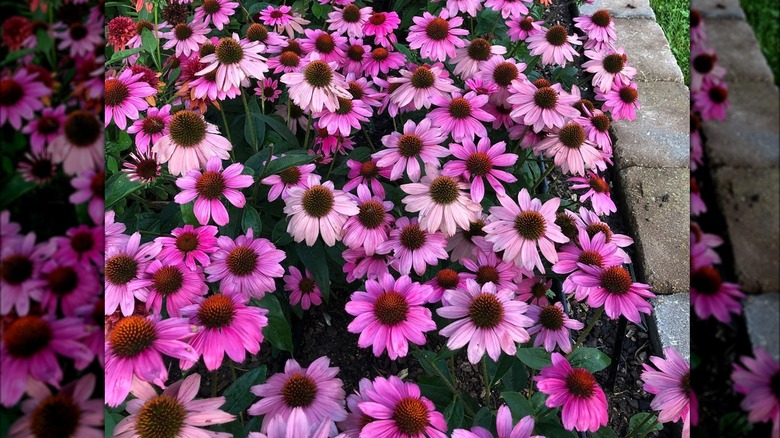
{"type": "Point", "coordinates": [764, 16]}
{"type": "Point", "coordinates": [673, 17]}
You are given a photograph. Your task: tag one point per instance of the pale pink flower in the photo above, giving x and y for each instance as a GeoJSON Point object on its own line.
{"type": "Point", "coordinates": [598, 27]}
{"type": "Point", "coordinates": [487, 267]}
{"type": "Point", "coordinates": [417, 88]}
{"type": "Point", "coordinates": [303, 289]}
{"type": "Point", "coordinates": [608, 66]}
{"type": "Point", "coordinates": [504, 426]}
{"type": "Point", "coordinates": [21, 260]}
{"type": "Point", "coordinates": [366, 174]}
{"type": "Point", "coordinates": [520, 30]}
{"type": "Point", "coordinates": [542, 108]}
{"type": "Point", "coordinates": [348, 115]}
{"type": "Point", "coordinates": [470, 7]}
{"type": "Point", "coordinates": [613, 288]}
{"type": "Point", "coordinates": [597, 192]}
{"type": "Point", "coordinates": [357, 265]}
{"type": "Point", "coordinates": [185, 39]}
{"type": "Point", "coordinates": [81, 38]}
{"type": "Point", "coordinates": [413, 247]}
{"type": "Point", "coordinates": [570, 149]}
{"type": "Point", "coordinates": [588, 250]}
{"type": "Point", "coordinates": [68, 285]}
{"type": "Point", "coordinates": [296, 176]}
{"type": "Point", "coordinates": [554, 45]}
{"type": "Point", "coordinates": [90, 188]}
{"type": "Point", "coordinates": [296, 425]}
{"type": "Point", "coordinates": [283, 19]}
{"type": "Point", "coordinates": [468, 60]}
{"type": "Point", "coordinates": [318, 209]}
{"type": "Point", "coordinates": [711, 101]}
{"type": "Point", "coordinates": [503, 73]}
{"type": "Point", "coordinates": [371, 225]}
{"type": "Point", "coordinates": [468, 240]}
{"type": "Point", "coordinates": [475, 162]}
{"type": "Point", "coordinates": [670, 381]}
{"type": "Point", "coordinates": [235, 60]}
{"type": "Point", "coordinates": [190, 143]}
{"type": "Point", "coordinates": [436, 37]}
{"type": "Point", "coordinates": [349, 20]}
{"type": "Point", "coordinates": [215, 11]}
{"type": "Point", "coordinates": [508, 8]}
{"type": "Point", "coordinates": [317, 85]}
{"type": "Point", "coordinates": [81, 146]}
{"type": "Point", "coordinates": [461, 115]}
{"type": "Point", "coordinates": [125, 264]}
{"type": "Point", "coordinates": [421, 141]}
{"type": "Point", "coordinates": [552, 326]}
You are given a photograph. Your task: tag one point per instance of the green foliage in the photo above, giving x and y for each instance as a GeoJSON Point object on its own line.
{"type": "Point", "coordinates": [592, 359]}
{"type": "Point", "coordinates": [764, 17]}
{"type": "Point", "coordinates": [674, 18]}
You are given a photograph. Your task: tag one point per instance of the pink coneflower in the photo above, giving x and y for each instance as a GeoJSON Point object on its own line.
{"type": "Point", "coordinates": [296, 176]}
{"type": "Point", "coordinates": [82, 244]}
{"type": "Point", "coordinates": [479, 86]}
{"type": "Point", "coordinates": [698, 207]}
{"type": "Point", "coordinates": [297, 425]}
{"type": "Point", "coordinates": [349, 20]}
{"type": "Point", "coordinates": [598, 26]}
{"type": "Point", "coordinates": [45, 128]}
{"type": "Point", "coordinates": [317, 85]}
{"type": "Point", "coordinates": [593, 224]}
{"type": "Point", "coordinates": [503, 73]}
{"type": "Point", "coordinates": [588, 250]}
{"type": "Point", "coordinates": [418, 141]}
{"type": "Point", "coordinates": [436, 37]}
{"type": "Point", "coordinates": [479, 162]}
{"type": "Point", "coordinates": [621, 101]}
{"type": "Point", "coordinates": [20, 266]}
{"type": "Point", "coordinates": [185, 38]}
{"type": "Point", "coordinates": [488, 319]}
{"type": "Point", "coordinates": [504, 427]}
{"type": "Point", "coordinates": [508, 8]}
{"type": "Point", "coordinates": [711, 101]}
{"type": "Point", "coordinates": [461, 115]}
{"type": "Point", "coordinates": [533, 290]}
{"type": "Point", "coordinates": [711, 296]}
{"type": "Point", "coordinates": [468, 60]}
{"type": "Point", "coordinates": [366, 174]}
{"type": "Point", "coordinates": [670, 381]}
{"type": "Point", "coordinates": [382, 60]}
{"type": "Point", "coordinates": [444, 280]}
{"type": "Point", "coordinates": [352, 426]}
{"type": "Point", "coordinates": [704, 244]}
{"type": "Point", "coordinates": [518, 228]}
{"type": "Point", "coordinates": [188, 245]}
{"type": "Point", "coordinates": [233, 61]}
{"type": "Point", "coordinates": [398, 409]}
{"type": "Point", "coordinates": [412, 246]}
{"type": "Point", "coordinates": [190, 143]}
{"type": "Point", "coordinates": [174, 412]}
{"type": "Point", "coordinates": [348, 115]}
{"type": "Point", "coordinates": [283, 19]}
{"type": "Point", "coordinates": [390, 314]}
{"type": "Point", "coordinates": [114, 235]}
{"type": "Point", "coordinates": [758, 378]}
{"type": "Point", "coordinates": [441, 203]}
{"type": "Point", "coordinates": [124, 266]}
{"type": "Point", "coordinates": [23, 95]}
{"type": "Point", "coordinates": [207, 187]}
{"type": "Point", "coordinates": [142, 167]}
{"type": "Point", "coordinates": [245, 266]}
{"type": "Point", "coordinates": [468, 240]}
{"type": "Point", "coordinates": [37, 167]}
{"type": "Point", "coordinates": [318, 209]}
{"type": "Point", "coordinates": [608, 66]}
{"type": "Point", "coordinates": [329, 46]}
{"type": "Point", "coordinates": [81, 38]}
{"type": "Point", "coordinates": [226, 326]}
{"type": "Point", "coordinates": [552, 326]}
{"type": "Point", "coordinates": [542, 108]}
{"type": "Point", "coordinates": [178, 285]}
{"type": "Point", "coordinates": [487, 267]}
{"type": "Point", "coordinates": [30, 348]}
{"type": "Point", "coordinates": [520, 30]}
{"type": "Point", "coordinates": [417, 88]}
{"type": "Point", "coordinates": [315, 390]}
{"type": "Point", "coordinates": [268, 89]}
{"type": "Point", "coordinates": [70, 411]}
{"type": "Point", "coordinates": [371, 225]}
{"type": "Point", "coordinates": [135, 347]}
{"type": "Point", "coordinates": [215, 11]}
{"type": "Point", "coordinates": [554, 46]}
{"type": "Point", "coordinates": [90, 187]}
{"type": "Point", "coordinates": [704, 67]}
{"type": "Point", "coordinates": [613, 288]}
{"type": "Point", "coordinates": [470, 7]}
{"type": "Point", "coordinates": [9, 231]}
{"type": "Point", "coordinates": [151, 128]}
{"type": "Point", "coordinates": [287, 62]}
{"type": "Point", "coordinates": [583, 403]}
{"type": "Point", "coordinates": [363, 89]}
{"type": "Point", "coordinates": [570, 149]}
{"type": "Point", "coordinates": [303, 289]}
{"type": "Point", "coordinates": [125, 96]}
{"type": "Point", "coordinates": [382, 26]}
{"type": "Point", "coordinates": [596, 126]}
{"type": "Point", "coordinates": [68, 285]}
{"type": "Point", "coordinates": [597, 192]}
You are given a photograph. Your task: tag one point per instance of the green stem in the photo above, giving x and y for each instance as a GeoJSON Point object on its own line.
{"type": "Point", "coordinates": [332, 162]}
{"type": "Point", "coordinates": [308, 130]}
{"type": "Point", "coordinates": [590, 326]}
{"type": "Point", "coordinates": [157, 37]}
{"type": "Point", "coordinates": [249, 121]}
{"type": "Point", "coordinates": [486, 380]}
{"type": "Point", "coordinates": [214, 383]}
{"type": "Point", "coordinates": [227, 132]}
{"type": "Point", "coordinates": [639, 426]}
{"type": "Point", "coordinates": [449, 384]}
{"type": "Point", "coordinates": [541, 178]}
{"type": "Point", "coordinates": [368, 139]}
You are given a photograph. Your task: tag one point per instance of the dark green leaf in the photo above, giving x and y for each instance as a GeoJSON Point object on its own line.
{"type": "Point", "coordinates": [435, 389]}
{"type": "Point", "coordinates": [13, 189]}
{"type": "Point", "coordinates": [733, 424]}
{"type": "Point", "coordinates": [251, 219]}
{"type": "Point", "coordinates": [257, 161]}
{"type": "Point", "coordinates": [238, 395]}
{"type": "Point", "coordinates": [233, 227]}
{"type": "Point", "coordinates": [637, 428]}
{"type": "Point", "coordinates": [122, 54]}
{"type": "Point", "coordinates": [484, 418]}
{"type": "Point", "coordinates": [536, 357]}
{"type": "Point", "coordinates": [45, 44]}
{"type": "Point", "coordinates": [313, 257]}
{"type": "Point", "coordinates": [497, 370]}
{"type": "Point", "coordinates": [432, 365]}
{"type": "Point", "coordinates": [592, 359]}
{"type": "Point", "coordinates": [259, 130]}
{"type": "Point", "coordinates": [454, 414]}
{"type": "Point", "coordinates": [118, 187]}
{"type": "Point", "coordinates": [149, 43]}
{"type": "Point", "coordinates": [13, 56]}
{"type": "Point", "coordinates": [278, 331]}
{"type": "Point", "coordinates": [519, 405]}
{"type": "Point", "coordinates": [279, 235]}
{"type": "Point", "coordinates": [187, 215]}
{"type": "Point", "coordinates": [281, 128]}
{"type": "Point", "coordinates": [604, 432]}
{"type": "Point", "coordinates": [516, 378]}
{"type": "Point", "coordinates": [288, 161]}
{"type": "Point", "coordinates": [319, 10]}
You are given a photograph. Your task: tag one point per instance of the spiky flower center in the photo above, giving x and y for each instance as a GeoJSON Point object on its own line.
{"type": "Point", "coordinates": [479, 164]}
{"type": "Point", "coordinates": [541, 83]}
{"type": "Point", "coordinates": [187, 241]}
{"type": "Point", "coordinates": [572, 135]}
{"type": "Point", "coordinates": [356, 90]}
{"type": "Point", "coordinates": [182, 31]}
{"type": "Point", "coordinates": [475, 229]}
{"type": "Point", "coordinates": [580, 383]}
{"type": "Point", "coordinates": [556, 35]}
{"type": "Point", "coordinates": [591, 258]}
{"type": "Point", "coordinates": [485, 311]}
{"type": "Point", "coordinates": [257, 32]}
{"type": "Point", "coordinates": [299, 391]}
{"type": "Point", "coordinates": [140, 25]}
{"type": "Point", "coordinates": [242, 261]}
{"type": "Point", "coordinates": [614, 63]}
{"type": "Point", "coordinates": [479, 49]}
{"type": "Point", "coordinates": [62, 280]}
{"type": "Point", "coordinates": [546, 98]}
{"type": "Point", "coordinates": [152, 125]}
{"type": "Point", "coordinates": [601, 18]}
{"type": "Point", "coordinates": [351, 13]}
{"type": "Point", "coordinates": [229, 51]}
{"type": "Point", "coordinates": [78, 31]}
{"type": "Point", "coordinates": [600, 122]}
{"type": "Point", "coordinates": [82, 241]}
{"type": "Point", "coordinates": [294, 47]}
{"type": "Point", "coordinates": [16, 269]}
{"type": "Point", "coordinates": [318, 201]}
{"type": "Point", "coordinates": [371, 214]}
{"type": "Point", "coordinates": [410, 145]}
{"type": "Point", "coordinates": [685, 383]}
{"type": "Point", "coordinates": [345, 106]}
{"type": "Point", "coordinates": [695, 18]}
{"type": "Point", "coordinates": [447, 278]}
{"type": "Point", "coordinates": [307, 285]}
{"type": "Point", "coordinates": [459, 108]}
{"type": "Point", "coordinates": [487, 274]}
{"type": "Point", "coordinates": [530, 224]}
{"type": "Point", "coordinates": [411, 416]}
{"type": "Point", "coordinates": [437, 29]}
{"type": "Point", "coordinates": [324, 43]}
{"type": "Point", "coordinates": [120, 269]}
{"type": "Point", "coordinates": [211, 6]}
{"type": "Point", "coordinates": [291, 175]}
{"type": "Point", "coordinates": [774, 384]}
{"type": "Point", "coordinates": [42, 168]}
{"type": "Point", "coordinates": [318, 74]}
{"type": "Point", "coordinates": [706, 280]}
{"type": "Point", "coordinates": [26, 336]}
{"type": "Point", "coordinates": [598, 184]}
{"type": "Point", "coordinates": [168, 280]}
{"type": "Point", "coordinates": [187, 128]}
{"type": "Point", "coordinates": [356, 52]}
{"type": "Point", "coordinates": [391, 308]}
{"type": "Point", "coordinates": [505, 73]}
{"type": "Point", "coordinates": [217, 311]}
{"type": "Point", "coordinates": [551, 317]}
{"type": "Point", "coordinates": [377, 18]}
{"type": "Point", "coordinates": [527, 24]}
{"type": "Point", "coordinates": [379, 54]}
{"type": "Point", "coordinates": [584, 104]}
{"type": "Point", "coordinates": [369, 169]}
{"type": "Point", "coordinates": [600, 227]}
{"type": "Point", "coordinates": [161, 416]}
{"type": "Point", "coordinates": [175, 13]}
{"type": "Point", "coordinates": [628, 94]}
{"type": "Point", "coordinates": [412, 237]}
{"type": "Point", "coordinates": [131, 336]}
{"type": "Point", "coordinates": [210, 185]}
{"type": "Point", "coordinates": [704, 63]}
{"type": "Point", "coordinates": [289, 59]}
{"type": "Point", "coordinates": [444, 190]}
{"type": "Point", "coordinates": [55, 416]}
{"type": "Point", "coordinates": [82, 128]}
{"type": "Point", "coordinates": [539, 290]}
{"type": "Point", "coordinates": [48, 125]}
{"type": "Point", "coordinates": [567, 224]}
{"type": "Point", "coordinates": [276, 13]}
{"type": "Point", "coordinates": [147, 169]}
{"type": "Point", "coordinates": [422, 78]}
{"type": "Point", "coordinates": [616, 280]}
{"type": "Point", "coordinates": [718, 94]}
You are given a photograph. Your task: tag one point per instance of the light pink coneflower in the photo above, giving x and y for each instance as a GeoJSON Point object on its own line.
{"type": "Point", "coordinates": [444, 280]}
{"type": "Point", "coordinates": [318, 209]}
{"type": "Point", "coordinates": [82, 244]}
{"type": "Point", "coordinates": [190, 143]}
{"type": "Point", "coordinates": [268, 89]}
{"type": "Point", "coordinates": [613, 288]}
{"type": "Point", "coordinates": [470, 7]}
{"type": "Point", "coordinates": [598, 26]}
{"type": "Point", "coordinates": [468, 240]}
{"type": "Point", "coordinates": [552, 326]}
{"type": "Point", "coordinates": [90, 187]}
{"type": "Point", "coordinates": [23, 95]}
{"type": "Point", "coordinates": [418, 141]}
{"type": "Point", "coordinates": [185, 39]}
{"type": "Point", "coordinates": [208, 187]}
{"type": "Point", "coordinates": [187, 245]}
{"type": "Point", "coordinates": [20, 262]}
{"type": "Point", "coordinates": [283, 19]}
{"type": "Point", "coordinates": [593, 224]}
{"type": "Point", "coordinates": [608, 66]}
{"type": "Point", "coordinates": [520, 30]}
{"type": "Point", "coordinates": [487, 267]}
{"type": "Point", "coordinates": [711, 296]}
{"type": "Point", "coordinates": [296, 425]}
{"type": "Point", "coordinates": [398, 409]}
{"type": "Point", "coordinates": [757, 377]}
{"type": "Point", "coordinates": [45, 128]}
{"type": "Point", "coordinates": [382, 60]}
{"type": "Point", "coordinates": [711, 101]}
{"type": "Point", "coordinates": [357, 265]}
{"type": "Point", "coordinates": [505, 427]}
{"type": "Point", "coordinates": [588, 250]}
{"type": "Point", "coordinates": [437, 37]}
{"type": "Point", "coordinates": [597, 191]}
{"type": "Point", "coordinates": [503, 73]}
{"type": "Point", "coordinates": [488, 320]}
{"type": "Point", "coordinates": [670, 381]}
{"type": "Point", "coordinates": [371, 225]}
{"type": "Point", "coordinates": [68, 286]}
{"type": "Point", "coordinates": [475, 162]}
{"type": "Point", "coordinates": [215, 11]}
{"type": "Point", "coordinates": [554, 45]}
{"type": "Point", "coordinates": [468, 60]}
{"type": "Point", "coordinates": [570, 149]}
{"type": "Point", "coordinates": [390, 314]}
{"type": "Point", "coordinates": [151, 128]}
{"type": "Point", "coordinates": [366, 174]}
{"type": "Point", "coordinates": [509, 8]}
{"type": "Point", "coordinates": [296, 176]}
{"type": "Point", "coordinates": [234, 60]}
{"type": "Point", "coordinates": [621, 101]}
{"type": "Point", "coordinates": [80, 38]}
{"type": "Point", "coordinates": [349, 20]}
{"type": "Point", "coordinates": [596, 126]}
{"type": "Point", "coordinates": [349, 114]}
{"type": "Point", "coordinates": [413, 247]}
{"type": "Point", "coordinates": [329, 46]}
{"type": "Point", "coordinates": [542, 108]}
{"type": "Point", "coordinates": [124, 267]}
{"type": "Point", "coordinates": [303, 289]}
{"type": "Point", "coordinates": [176, 284]}
{"type": "Point", "coordinates": [461, 115]}
{"type": "Point", "coordinates": [416, 88]}
{"type": "Point", "coordinates": [382, 26]}
{"type": "Point", "coordinates": [317, 85]}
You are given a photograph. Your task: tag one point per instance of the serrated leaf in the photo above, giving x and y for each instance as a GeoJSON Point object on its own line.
{"type": "Point", "coordinates": [118, 187]}
{"type": "Point", "coordinates": [278, 331]}
{"type": "Point", "coordinates": [536, 357]}
{"type": "Point", "coordinates": [313, 257]}
{"type": "Point", "coordinates": [251, 219]}
{"type": "Point", "coordinates": [238, 395]}
{"type": "Point", "coordinates": [592, 359]}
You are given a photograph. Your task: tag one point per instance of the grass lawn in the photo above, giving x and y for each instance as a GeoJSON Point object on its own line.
{"type": "Point", "coordinates": [673, 17]}
{"type": "Point", "coordinates": [764, 17]}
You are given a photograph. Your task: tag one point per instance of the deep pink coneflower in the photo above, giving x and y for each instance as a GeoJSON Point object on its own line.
{"type": "Point", "coordinates": [758, 378]}
{"type": "Point", "coordinates": [303, 288]}
{"type": "Point", "coordinates": [421, 141]}
{"type": "Point", "coordinates": [670, 381]}
{"type": "Point", "coordinates": [208, 187]}
{"type": "Point", "coordinates": [399, 410]}
{"type": "Point", "coordinates": [413, 247]}
{"type": "Point", "coordinates": [436, 37]}
{"type": "Point", "coordinates": [188, 245]}
{"type": "Point", "coordinates": [475, 162]}
{"type": "Point", "coordinates": [552, 326]}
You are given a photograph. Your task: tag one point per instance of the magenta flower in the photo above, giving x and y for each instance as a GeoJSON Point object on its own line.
{"type": "Point", "coordinates": [421, 141]}
{"type": "Point", "coordinates": [135, 347]}
{"type": "Point", "coordinates": [142, 167]}
{"type": "Point", "coordinates": [349, 20]}
{"type": "Point", "coordinates": [554, 45]}
{"type": "Point", "coordinates": [30, 348]}
{"type": "Point", "coordinates": [416, 88]}
{"type": "Point", "coordinates": [371, 225]}
{"type": "Point", "coordinates": [504, 426]}
{"type": "Point", "coordinates": [570, 149]}
{"type": "Point", "coordinates": [329, 46]}
{"type": "Point", "coordinates": [485, 266]}
{"type": "Point", "coordinates": [583, 403]}
{"type": "Point", "coordinates": [509, 8]}
{"type": "Point", "coordinates": [23, 95]}
{"type": "Point", "coordinates": [188, 245]}
{"type": "Point", "coordinates": [354, 423]}
{"type": "Point", "coordinates": [82, 244]}
{"type": "Point", "coordinates": [81, 38]}
{"type": "Point", "coordinates": [382, 60]}
{"type": "Point", "coordinates": [268, 89]}
{"type": "Point", "coordinates": [366, 174]}
{"type": "Point", "coordinates": [479, 162]}
{"type": "Point", "coordinates": [296, 176]}
{"type": "Point", "coordinates": [215, 11]}
{"type": "Point", "coordinates": [711, 296]}
{"type": "Point", "coordinates": [303, 289]}
{"type": "Point", "coordinates": [597, 192]}
{"type": "Point", "coordinates": [621, 101]}
{"type": "Point", "coordinates": [436, 37]}
{"type": "Point", "coordinates": [176, 284]}
{"type": "Point", "coordinates": [757, 377]}
{"type": "Point", "coordinates": [487, 320]}
{"type": "Point", "coordinates": [21, 261]}
{"type": "Point", "coordinates": [283, 19]}
{"type": "Point", "coordinates": [533, 290]}
{"type": "Point", "coordinates": [185, 39]}
{"type": "Point", "coordinates": [470, 7]}
{"type": "Point", "coordinates": [444, 280]}
{"type": "Point", "coordinates": [390, 314]}
{"type": "Point", "coordinates": [235, 60]}
{"type": "Point", "coordinates": [413, 247]}
{"type": "Point", "coordinates": [592, 251]}
{"type": "Point", "coordinates": [461, 116]}
{"type": "Point", "coordinates": [358, 265]}
{"type": "Point", "coordinates": [42, 130]}
{"type": "Point", "coordinates": [593, 224]}
{"type": "Point", "coordinates": [246, 266]}
{"type": "Point", "coordinates": [503, 73]}
{"type": "Point", "coordinates": [190, 143]}
{"type": "Point", "coordinates": [399, 410]}
{"type": "Point", "coordinates": [125, 264]}
{"type": "Point", "coordinates": [297, 425]}
{"type": "Point", "coordinates": [471, 59]}
{"type": "Point", "coordinates": [69, 285]}
{"type": "Point", "coordinates": [520, 30]}
{"type": "Point", "coordinates": [208, 187]}
{"type": "Point", "coordinates": [467, 241]}
{"type": "Point", "coordinates": [318, 210]}
{"type": "Point", "coordinates": [698, 207]}
{"type": "Point", "coordinates": [598, 26]}
{"type": "Point", "coordinates": [542, 108]}
{"type": "Point", "coordinates": [382, 26]}
{"type": "Point", "coordinates": [711, 101]}
{"type": "Point", "coordinates": [90, 187]}
{"type": "Point", "coordinates": [613, 288]}
{"type": "Point", "coordinates": [125, 96]}
{"type": "Point", "coordinates": [315, 390]}
{"type": "Point", "coordinates": [348, 115]}
{"type": "Point", "coordinates": [552, 327]}
{"type": "Point", "coordinates": [597, 130]}
{"type": "Point", "coordinates": [670, 381]}
{"type": "Point", "coordinates": [150, 129]}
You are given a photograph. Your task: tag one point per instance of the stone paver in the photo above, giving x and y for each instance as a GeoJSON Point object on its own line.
{"type": "Point", "coordinates": [748, 199]}
{"type": "Point", "coordinates": [659, 137]}
{"type": "Point", "coordinates": [738, 51]}
{"type": "Point", "coordinates": [621, 9]}
{"type": "Point", "coordinates": [762, 313]}
{"type": "Point", "coordinates": [718, 9]}
{"type": "Point", "coordinates": [648, 50]}
{"type": "Point", "coordinates": [749, 137]}
{"type": "Point", "coordinates": [657, 207]}
{"type": "Point", "coordinates": [673, 321]}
